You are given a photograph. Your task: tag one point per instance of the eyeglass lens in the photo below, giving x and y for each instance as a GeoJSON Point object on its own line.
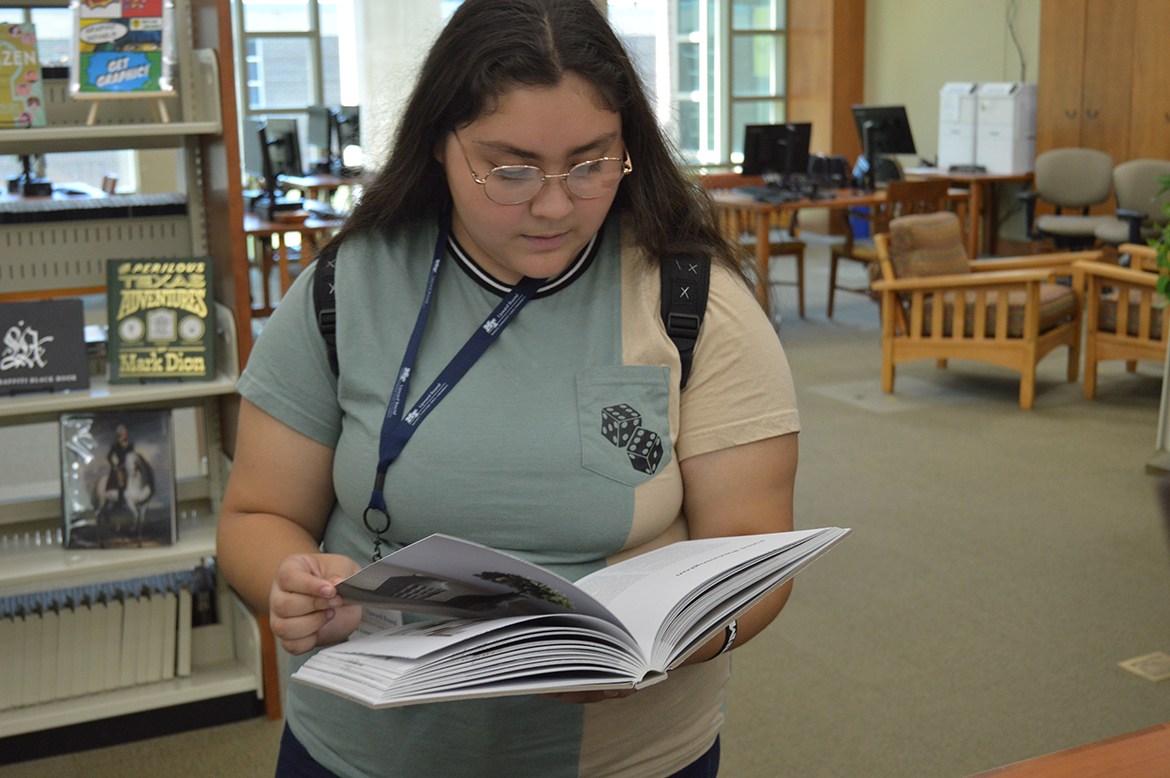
{"type": "Point", "coordinates": [514, 184]}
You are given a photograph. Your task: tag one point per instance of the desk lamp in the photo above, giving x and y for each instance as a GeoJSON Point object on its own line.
{"type": "Point", "coordinates": [28, 185]}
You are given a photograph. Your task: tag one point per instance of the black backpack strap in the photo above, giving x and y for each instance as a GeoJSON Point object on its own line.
{"type": "Point", "coordinates": [325, 301]}
{"type": "Point", "coordinates": [685, 281]}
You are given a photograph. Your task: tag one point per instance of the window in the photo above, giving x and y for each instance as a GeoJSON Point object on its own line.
{"type": "Point", "coordinates": [54, 42]}
{"type": "Point", "coordinates": [291, 59]}
{"type": "Point", "coordinates": [714, 66]}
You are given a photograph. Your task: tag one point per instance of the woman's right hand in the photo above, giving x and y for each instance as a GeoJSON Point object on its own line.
{"type": "Point", "coordinates": [304, 608]}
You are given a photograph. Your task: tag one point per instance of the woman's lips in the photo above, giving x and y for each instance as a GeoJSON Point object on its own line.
{"type": "Point", "coordinates": [546, 242]}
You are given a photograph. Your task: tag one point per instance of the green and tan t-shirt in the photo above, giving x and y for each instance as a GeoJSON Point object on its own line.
{"type": "Point", "coordinates": [561, 445]}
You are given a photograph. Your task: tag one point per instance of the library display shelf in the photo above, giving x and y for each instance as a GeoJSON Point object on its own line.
{"type": "Point", "coordinates": [31, 564]}
{"type": "Point", "coordinates": [121, 124]}
{"type": "Point", "coordinates": [67, 257]}
{"type": "Point", "coordinates": [225, 657]}
{"type": "Point", "coordinates": [225, 660]}
{"type": "Point", "coordinates": [47, 406]}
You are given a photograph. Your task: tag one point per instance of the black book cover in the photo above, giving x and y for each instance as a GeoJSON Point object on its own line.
{"type": "Point", "coordinates": [43, 346]}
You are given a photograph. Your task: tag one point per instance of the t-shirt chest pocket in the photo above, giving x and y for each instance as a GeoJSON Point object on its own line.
{"type": "Point", "coordinates": [624, 419]}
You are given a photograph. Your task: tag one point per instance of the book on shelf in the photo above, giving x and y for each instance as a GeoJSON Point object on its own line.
{"type": "Point", "coordinates": [115, 613]}
{"type": "Point", "coordinates": [133, 622]}
{"type": "Point", "coordinates": [66, 643]}
{"type": "Point", "coordinates": [9, 671]}
{"type": "Point", "coordinates": [43, 347]}
{"type": "Point", "coordinates": [118, 479]}
{"type": "Point", "coordinates": [22, 95]}
{"type": "Point", "coordinates": [183, 639]}
{"type": "Point", "coordinates": [517, 628]}
{"type": "Point", "coordinates": [161, 324]}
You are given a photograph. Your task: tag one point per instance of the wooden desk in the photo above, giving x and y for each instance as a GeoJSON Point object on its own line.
{"type": "Point", "coordinates": [1142, 753]}
{"type": "Point", "coordinates": [982, 203]}
{"type": "Point", "coordinates": [318, 184]}
{"type": "Point", "coordinates": [313, 232]}
{"type": "Point", "coordinates": [840, 200]}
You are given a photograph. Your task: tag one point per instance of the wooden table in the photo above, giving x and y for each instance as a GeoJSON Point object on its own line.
{"type": "Point", "coordinates": [318, 186]}
{"type": "Point", "coordinates": [313, 232]}
{"type": "Point", "coordinates": [834, 199]}
{"type": "Point", "coordinates": [982, 203]}
{"type": "Point", "coordinates": [1142, 753]}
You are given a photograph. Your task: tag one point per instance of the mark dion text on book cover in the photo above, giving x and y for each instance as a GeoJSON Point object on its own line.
{"type": "Point", "coordinates": [160, 320]}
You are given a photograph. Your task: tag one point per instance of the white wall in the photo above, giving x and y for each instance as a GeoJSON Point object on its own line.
{"type": "Point", "coordinates": [393, 38]}
{"type": "Point", "coordinates": [913, 47]}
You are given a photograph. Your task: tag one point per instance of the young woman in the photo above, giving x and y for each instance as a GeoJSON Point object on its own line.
{"type": "Point", "coordinates": [527, 177]}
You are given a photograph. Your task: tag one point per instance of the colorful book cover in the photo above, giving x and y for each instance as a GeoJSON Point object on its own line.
{"type": "Point", "coordinates": [122, 47]}
{"type": "Point", "coordinates": [22, 97]}
{"type": "Point", "coordinates": [118, 479]}
{"type": "Point", "coordinates": [161, 320]}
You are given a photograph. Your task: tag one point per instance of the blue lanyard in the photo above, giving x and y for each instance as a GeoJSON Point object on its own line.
{"type": "Point", "coordinates": [397, 428]}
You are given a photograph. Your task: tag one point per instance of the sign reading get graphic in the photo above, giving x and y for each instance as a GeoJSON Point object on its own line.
{"type": "Point", "coordinates": [122, 47]}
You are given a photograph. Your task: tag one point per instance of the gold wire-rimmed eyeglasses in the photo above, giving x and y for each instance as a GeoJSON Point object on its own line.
{"type": "Point", "coordinates": [515, 184]}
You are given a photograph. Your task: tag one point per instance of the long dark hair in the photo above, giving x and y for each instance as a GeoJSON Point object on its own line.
{"type": "Point", "coordinates": [492, 46]}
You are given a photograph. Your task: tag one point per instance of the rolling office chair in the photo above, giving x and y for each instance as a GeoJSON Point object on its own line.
{"type": "Point", "coordinates": [1140, 208]}
{"type": "Point", "coordinates": [1069, 178]}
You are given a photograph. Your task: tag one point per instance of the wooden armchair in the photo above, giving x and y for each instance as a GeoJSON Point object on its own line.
{"type": "Point", "coordinates": [1010, 314]}
{"type": "Point", "coordinates": [742, 226]}
{"type": "Point", "coordinates": [1137, 330]}
{"type": "Point", "coordinates": [902, 199]}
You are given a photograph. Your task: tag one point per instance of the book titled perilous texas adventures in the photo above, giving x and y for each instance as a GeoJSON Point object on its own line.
{"type": "Point", "coordinates": [161, 324]}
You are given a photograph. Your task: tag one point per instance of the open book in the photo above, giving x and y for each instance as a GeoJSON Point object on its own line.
{"type": "Point", "coordinates": [517, 628]}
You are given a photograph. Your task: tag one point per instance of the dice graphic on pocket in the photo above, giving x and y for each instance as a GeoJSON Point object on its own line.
{"type": "Point", "coordinates": [618, 423]}
{"type": "Point", "coordinates": [645, 450]}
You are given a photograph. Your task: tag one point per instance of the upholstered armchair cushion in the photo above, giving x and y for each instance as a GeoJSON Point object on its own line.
{"type": "Point", "coordinates": [928, 245]}
{"type": "Point", "coordinates": [1107, 315]}
{"type": "Point", "coordinates": [1058, 305]}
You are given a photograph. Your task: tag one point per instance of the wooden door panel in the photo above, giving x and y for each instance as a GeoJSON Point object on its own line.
{"type": "Point", "coordinates": [1061, 74]}
{"type": "Point", "coordinates": [1149, 136]}
{"type": "Point", "coordinates": [1108, 76]}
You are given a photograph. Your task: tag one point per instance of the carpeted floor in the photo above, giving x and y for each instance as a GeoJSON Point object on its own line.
{"type": "Point", "coordinates": [1003, 562]}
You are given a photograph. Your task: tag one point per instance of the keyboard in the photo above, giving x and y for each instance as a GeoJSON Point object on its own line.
{"type": "Point", "coordinates": [59, 209]}
{"type": "Point", "coordinates": [776, 195]}
{"type": "Point", "coordinates": [773, 195]}
{"type": "Point", "coordinates": [319, 210]}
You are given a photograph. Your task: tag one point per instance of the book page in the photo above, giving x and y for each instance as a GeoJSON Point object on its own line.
{"type": "Point", "coordinates": [643, 591]}
{"type": "Point", "coordinates": [445, 576]}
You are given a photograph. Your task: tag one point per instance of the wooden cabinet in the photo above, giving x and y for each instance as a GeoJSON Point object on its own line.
{"type": "Point", "coordinates": [68, 257]}
{"type": "Point", "coordinates": [1104, 81]}
{"type": "Point", "coordinates": [826, 70]}
{"type": "Point", "coordinates": [1149, 136]}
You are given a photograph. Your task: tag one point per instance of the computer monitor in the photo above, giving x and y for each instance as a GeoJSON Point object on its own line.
{"type": "Point", "coordinates": [349, 133]}
{"type": "Point", "coordinates": [283, 141]}
{"type": "Point", "coordinates": [271, 149]}
{"type": "Point", "coordinates": [349, 141]}
{"type": "Point", "coordinates": [320, 127]}
{"type": "Point", "coordinates": [887, 127]}
{"type": "Point", "coordinates": [883, 130]}
{"type": "Point", "coordinates": [779, 149]}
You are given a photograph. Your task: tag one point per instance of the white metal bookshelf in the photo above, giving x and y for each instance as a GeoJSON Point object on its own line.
{"type": "Point", "coordinates": [50, 256]}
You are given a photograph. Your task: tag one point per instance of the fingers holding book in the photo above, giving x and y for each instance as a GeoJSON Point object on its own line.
{"type": "Point", "coordinates": [304, 608]}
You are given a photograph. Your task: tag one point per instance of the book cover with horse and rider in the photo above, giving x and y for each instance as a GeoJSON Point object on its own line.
{"type": "Point", "coordinates": [118, 479]}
